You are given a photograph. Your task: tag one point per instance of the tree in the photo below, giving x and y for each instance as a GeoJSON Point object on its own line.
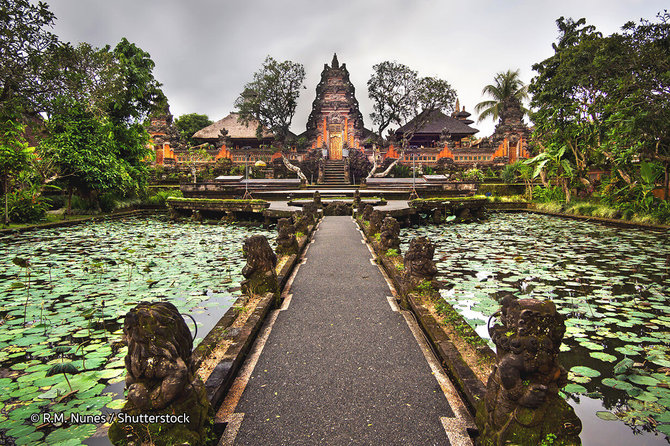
{"type": "Point", "coordinates": [83, 150]}
{"type": "Point", "coordinates": [607, 99]}
{"type": "Point", "coordinates": [271, 98]}
{"type": "Point", "coordinates": [399, 96]}
{"type": "Point", "coordinates": [393, 90]}
{"type": "Point", "coordinates": [14, 157]}
{"type": "Point", "coordinates": [23, 38]}
{"type": "Point", "coordinates": [505, 85]}
{"type": "Point", "coordinates": [189, 124]}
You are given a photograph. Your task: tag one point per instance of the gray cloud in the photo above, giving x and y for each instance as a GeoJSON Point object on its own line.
{"type": "Point", "coordinates": [206, 50]}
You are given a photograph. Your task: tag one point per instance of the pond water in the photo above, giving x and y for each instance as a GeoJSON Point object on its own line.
{"type": "Point", "coordinates": [611, 284]}
{"type": "Point", "coordinates": [67, 306]}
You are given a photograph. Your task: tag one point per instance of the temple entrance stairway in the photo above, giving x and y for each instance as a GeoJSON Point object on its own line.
{"type": "Point", "coordinates": [334, 174]}
{"type": "Point", "coordinates": [339, 363]}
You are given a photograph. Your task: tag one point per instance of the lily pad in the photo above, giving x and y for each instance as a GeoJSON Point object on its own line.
{"type": "Point", "coordinates": [605, 415]}
{"type": "Point", "coordinates": [585, 371]}
{"type": "Point", "coordinates": [603, 356]}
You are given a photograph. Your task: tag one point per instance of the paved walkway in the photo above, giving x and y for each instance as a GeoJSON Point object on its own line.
{"type": "Point", "coordinates": [338, 364]}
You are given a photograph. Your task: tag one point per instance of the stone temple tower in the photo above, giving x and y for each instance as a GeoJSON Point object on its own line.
{"type": "Point", "coordinates": [335, 122]}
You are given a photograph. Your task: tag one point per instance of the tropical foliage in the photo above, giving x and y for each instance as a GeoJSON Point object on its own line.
{"type": "Point", "coordinates": [505, 86]}
{"type": "Point", "coordinates": [85, 105]}
{"type": "Point", "coordinates": [604, 102]}
{"type": "Point", "coordinates": [189, 124]}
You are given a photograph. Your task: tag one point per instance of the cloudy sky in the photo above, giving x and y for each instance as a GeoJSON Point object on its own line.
{"type": "Point", "coordinates": [206, 50]}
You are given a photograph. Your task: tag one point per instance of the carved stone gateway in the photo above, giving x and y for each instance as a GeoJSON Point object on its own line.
{"type": "Point", "coordinates": [390, 234]}
{"type": "Point", "coordinates": [160, 379]}
{"type": "Point", "coordinates": [286, 240]}
{"type": "Point", "coordinates": [260, 271]}
{"type": "Point", "coordinates": [522, 405]}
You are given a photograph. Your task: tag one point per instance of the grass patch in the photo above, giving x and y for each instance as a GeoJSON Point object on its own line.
{"type": "Point", "coordinates": [452, 318]}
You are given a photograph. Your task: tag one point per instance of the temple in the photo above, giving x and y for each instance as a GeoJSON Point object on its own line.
{"type": "Point", "coordinates": [335, 127]}
{"type": "Point", "coordinates": [335, 123]}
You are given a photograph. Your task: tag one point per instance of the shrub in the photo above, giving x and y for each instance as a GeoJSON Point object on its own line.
{"type": "Point", "coordinates": [26, 206]}
{"type": "Point", "coordinates": [161, 196]}
{"type": "Point", "coordinates": [474, 174]}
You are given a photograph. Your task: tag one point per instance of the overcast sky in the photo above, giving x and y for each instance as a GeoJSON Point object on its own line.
{"type": "Point", "coordinates": [206, 50]}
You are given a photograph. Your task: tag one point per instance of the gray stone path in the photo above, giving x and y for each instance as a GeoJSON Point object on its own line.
{"type": "Point", "coordinates": [340, 366]}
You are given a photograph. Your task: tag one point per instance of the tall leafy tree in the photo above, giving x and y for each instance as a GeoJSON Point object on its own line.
{"type": "Point", "coordinates": [24, 36]}
{"type": "Point", "coordinates": [393, 90]}
{"type": "Point", "coordinates": [272, 96]}
{"type": "Point", "coordinates": [83, 150]}
{"type": "Point", "coordinates": [399, 95]}
{"type": "Point", "coordinates": [505, 85]}
{"type": "Point", "coordinates": [189, 124]}
{"type": "Point", "coordinates": [607, 99]}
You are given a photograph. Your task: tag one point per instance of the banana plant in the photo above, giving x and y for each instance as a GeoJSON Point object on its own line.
{"type": "Point", "coordinates": [552, 160]}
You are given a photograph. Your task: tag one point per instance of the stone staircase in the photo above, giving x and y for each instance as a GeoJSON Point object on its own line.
{"type": "Point", "coordinates": [334, 174]}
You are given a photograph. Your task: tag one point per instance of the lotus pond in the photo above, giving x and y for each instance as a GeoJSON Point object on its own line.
{"type": "Point", "coordinates": [64, 293]}
{"type": "Point", "coordinates": [611, 284]}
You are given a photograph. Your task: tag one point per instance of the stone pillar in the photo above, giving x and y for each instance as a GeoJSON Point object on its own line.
{"type": "Point", "coordinates": [390, 234]}
{"type": "Point", "coordinates": [260, 271]}
{"type": "Point", "coordinates": [160, 380]}
{"type": "Point", "coordinates": [522, 404]}
{"type": "Point", "coordinates": [287, 244]}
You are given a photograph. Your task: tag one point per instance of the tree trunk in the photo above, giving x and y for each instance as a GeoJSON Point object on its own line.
{"type": "Point", "coordinates": [68, 209]}
{"type": "Point", "coordinates": [389, 168]}
{"type": "Point", "coordinates": [566, 189]}
{"type": "Point", "coordinates": [666, 182]}
{"type": "Point", "coordinates": [4, 183]}
{"type": "Point", "coordinates": [543, 178]}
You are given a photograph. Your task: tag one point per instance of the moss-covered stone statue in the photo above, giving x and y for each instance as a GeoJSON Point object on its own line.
{"type": "Point", "coordinates": [376, 219]}
{"type": "Point", "coordinates": [389, 234]}
{"type": "Point", "coordinates": [522, 405]}
{"type": "Point", "coordinates": [286, 240]}
{"type": "Point", "coordinates": [337, 208]}
{"type": "Point", "coordinates": [161, 382]}
{"type": "Point", "coordinates": [419, 263]}
{"type": "Point", "coordinates": [301, 222]}
{"type": "Point", "coordinates": [310, 211]}
{"type": "Point", "coordinates": [260, 271]}
{"type": "Point", "coordinates": [367, 212]}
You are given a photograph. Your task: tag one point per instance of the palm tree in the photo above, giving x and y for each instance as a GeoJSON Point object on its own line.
{"type": "Point", "coordinates": [505, 85]}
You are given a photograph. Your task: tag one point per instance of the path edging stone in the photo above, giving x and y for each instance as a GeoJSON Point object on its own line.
{"type": "Point", "coordinates": [465, 380]}
{"type": "Point", "coordinates": [225, 372]}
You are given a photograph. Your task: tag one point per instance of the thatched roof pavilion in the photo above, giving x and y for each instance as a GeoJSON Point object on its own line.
{"type": "Point", "coordinates": [238, 131]}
